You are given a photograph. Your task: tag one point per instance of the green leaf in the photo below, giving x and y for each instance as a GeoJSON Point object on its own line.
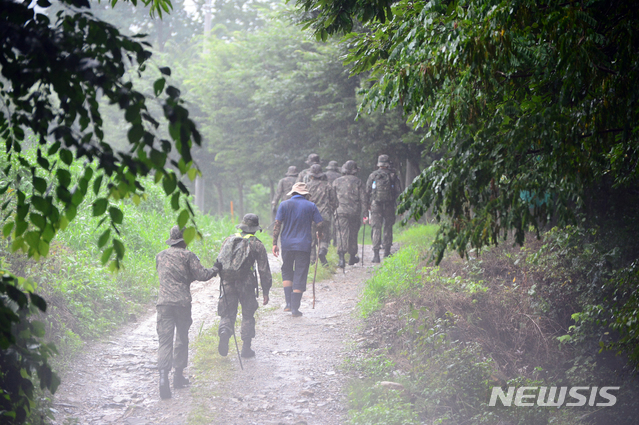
{"type": "Point", "coordinates": [39, 184]}
{"type": "Point", "coordinates": [97, 183]}
{"type": "Point", "coordinates": [158, 86]}
{"type": "Point", "coordinates": [189, 234]}
{"type": "Point", "coordinates": [99, 206]}
{"type": "Point", "coordinates": [119, 248]}
{"type": "Point", "coordinates": [192, 173]}
{"type": "Point", "coordinates": [106, 255]}
{"type": "Point", "coordinates": [7, 228]}
{"type": "Point", "coordinates": [66, 156]}
{"type": "Point", "coordinates": [166, 70]}
{"type": "Point", "coordinates": [116, 215]}
{"type": "Point", "coordinates": [135, 133]}
{"type": "Point", "coordinates": [169, 183]}
{"type": "Point", "coordinates": [104, 238]}
{"type": "Point", "coordinates": [183, 218]}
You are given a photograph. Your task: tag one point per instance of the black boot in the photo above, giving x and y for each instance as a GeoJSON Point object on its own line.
{"type": "Point", "coordinates": [288, 290]}
{"type": "Point", "coordinates": [353, 259]}
{"type": "Point", "coordinates": [342, 262]}
{"type": "Point", "coordinates": [165, 389]}
{"type": "Point", "coordinates": [296, 300]}
{"type": "Point", "coordinates": [179, 380]}
{"type": "Point", "coordinates": [223, 346]}
{"type": "Point", "coordinates": [376, 256]}
{"type": "Point", "coordinates": [246, 349]}
{"type": "Point", "coordinates": [387, 252]}
{"type": "Point", "coordinates": [322, 256]}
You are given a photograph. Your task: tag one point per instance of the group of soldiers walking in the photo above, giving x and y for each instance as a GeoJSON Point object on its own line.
{"type": "Point", "coordinates": [316, 206]}
{"type": "Point", "coordinates": [345, 202]}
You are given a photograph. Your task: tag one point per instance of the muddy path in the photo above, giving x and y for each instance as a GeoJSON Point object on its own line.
{"type": "Point", "coordinates": [294, 378]}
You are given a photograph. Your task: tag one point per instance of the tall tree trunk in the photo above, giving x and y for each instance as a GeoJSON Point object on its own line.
{"type": "Point", "coordinates": [412, 171]}
{"type": "Point", "coordinates": [272, 187]}
{"type": "Point", "coordinates": [220, 198]}
{"type": "Point", "coordinates": [199, 193]}
{"type": "Point", "coordinates": [240, 200]}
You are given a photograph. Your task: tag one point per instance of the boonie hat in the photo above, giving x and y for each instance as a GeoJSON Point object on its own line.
{"type": "Point", "coordinates": [350, 167]}
{"type": "Point", "coordinates": [332, 166]}
{"type": "Point", "coordinates": [175, 236]}
{"type": "Point", "coordinates": [299, 188]}
{"type": "Point", "coordinates": [250, 223]}
{"type": "Point", "coordinates": [383, 161]}
{"type": "Point", "coordinates": [292, 171]}
{"type": "Point", "coordinates": [313, 159]}
{"type": "Point", "coordinates": [316, 171]}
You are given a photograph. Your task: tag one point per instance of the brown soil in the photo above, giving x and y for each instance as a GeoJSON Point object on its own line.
{"type": "Point", "coordinates": [295, 377]}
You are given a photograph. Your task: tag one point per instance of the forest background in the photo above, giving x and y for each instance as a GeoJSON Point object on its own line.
{"type": "Point", "coordinates": [524, 113]}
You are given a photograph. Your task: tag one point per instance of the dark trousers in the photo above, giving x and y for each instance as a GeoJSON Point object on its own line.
{"type": "Point", "coordinates": [347, 228]}
{"type": "Point", "coordinates": [234, 294]}
{"type": "Point", "coordinates": [382, 214]}
{"type": "Point", "coordinates": [173, 320]}
{"type": "Point", "coordinates": [295, 268]}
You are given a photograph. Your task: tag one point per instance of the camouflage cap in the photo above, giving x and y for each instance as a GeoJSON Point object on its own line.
{"type": "Point", "coordinates": [332, 166]}
{"type": "Point", "coordinates": [175, 237]}
{"type": "Point", "coordinates": [292, 171]}
{"type": "Point", "coordinates": [383, 161]}
{"type": "Point", "coordinates": [316, 171]}
{"type": "Point", "coordinates": [250, 223]}
{"type": "Point", "coordinates": [313, 159]}
{"type": "Point", "coordinates": [350, 167]}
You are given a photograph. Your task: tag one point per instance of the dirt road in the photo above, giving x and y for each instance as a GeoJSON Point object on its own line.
{"type": "Point", "coordinates": [293, 379]}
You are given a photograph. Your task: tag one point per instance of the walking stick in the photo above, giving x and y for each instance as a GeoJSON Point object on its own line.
{"type": "Point", "coordinates": [234, 338]}
{"type": "Point", "coordinates": [315, 274]}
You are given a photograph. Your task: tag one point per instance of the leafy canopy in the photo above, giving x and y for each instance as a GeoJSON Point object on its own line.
{"type": "Point", "coordinates": [54, 74]}
{"type": "Point", "coordinates": [534, 102]}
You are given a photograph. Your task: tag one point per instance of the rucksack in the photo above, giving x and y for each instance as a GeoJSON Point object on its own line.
{"type": "Point", "coordinates": [235, 256]}
{"type": "Point", "coordinates": [383, 187]}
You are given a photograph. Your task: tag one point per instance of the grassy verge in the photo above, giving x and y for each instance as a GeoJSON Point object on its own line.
{"type": "Point", "coordinates": [210, 371]}
{"type": "Point", "coordinates": [439, 339]}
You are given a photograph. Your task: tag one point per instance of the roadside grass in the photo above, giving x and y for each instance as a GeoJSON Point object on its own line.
{"type": "Point", "coordinates": [399, 273]}
{"type": "Point", "coordinates": [85, 300]}
{"type": "Point", "coordinates": [452, 333]}
{"type": "Point", "coordinates": [210, 371]}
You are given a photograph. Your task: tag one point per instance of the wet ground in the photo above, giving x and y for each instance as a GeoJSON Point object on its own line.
{"type": "Point", "coordinates": [295, 377]}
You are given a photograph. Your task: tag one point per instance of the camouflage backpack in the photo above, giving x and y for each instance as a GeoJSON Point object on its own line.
{"type": "Point", "coordinates": [383, 186]}
{"type": "Point", "coordinates": [235, 256]}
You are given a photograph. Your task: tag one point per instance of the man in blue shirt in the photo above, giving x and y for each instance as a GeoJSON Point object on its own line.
{"type": "Point", "coordinates": [293, 223]}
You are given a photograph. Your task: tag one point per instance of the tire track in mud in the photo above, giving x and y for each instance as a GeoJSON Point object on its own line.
{"type": "Point", "coordinates": [293, 379]}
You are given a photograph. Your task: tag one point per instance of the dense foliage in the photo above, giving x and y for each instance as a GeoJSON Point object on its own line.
{"type": "Point", "coordinates": [535, 102]}
{"type": "Point", "coordinates": [54, 73]}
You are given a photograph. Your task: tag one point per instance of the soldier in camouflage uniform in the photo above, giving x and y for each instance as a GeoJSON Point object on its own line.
{"type": "Point", "coordinates": [351, 197]}
{"type": "Point", "coordinates": [332, 172]}
{"type": "Point", "coordinates": [243, 290]}
{"type": "Point", "coordinates": [323, 196]}
{"type": "Point", "coordinates": [303, 175]}
{"type": "Point", "coordinates": [382, 188]}
{"type": "Point", "coordinates": [284, 186]}
{"type": "Point", "coordinates": [177, 268]}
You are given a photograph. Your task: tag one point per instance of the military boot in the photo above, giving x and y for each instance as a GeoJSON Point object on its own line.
{"type": "Point", "coordinates": [246, 349]}
{"type": "Point", "coordinates": [179, 380]}
{"type": "Point", "coordinates": [353, 259]}
{"type": "Point", "coordinates": [342, 261]}
{"type": "Point", "coordinates": [387, 252]}
{"type": "Point", "coordinates": [223, 346]}
{"type": "Point", "coordinates": [165, 389]}
{"type": "Point", "coordinates": [376, 256]}
{"type": "Point", "coordinates": [322, 256]}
